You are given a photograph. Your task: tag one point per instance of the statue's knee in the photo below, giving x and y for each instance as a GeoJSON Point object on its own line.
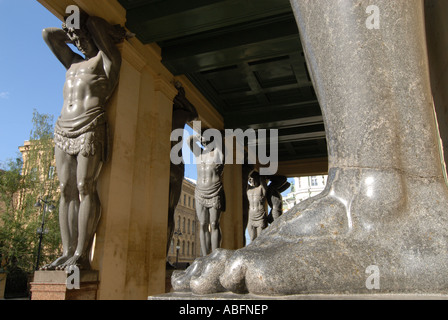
{"type": "Point", "coordinates": [204, 226]}
{"type": "Point", "coordinates": [85, 187]}
{"type": "Point", "coordinates": [214, 225]}
{"type": "Point", "coordinates": [67, 190]}
{"type": "Point", "coordinates": [63, 187]}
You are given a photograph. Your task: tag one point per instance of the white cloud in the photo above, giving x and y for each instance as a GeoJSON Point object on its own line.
{"type": "Point", "coordinates": [4, 94]}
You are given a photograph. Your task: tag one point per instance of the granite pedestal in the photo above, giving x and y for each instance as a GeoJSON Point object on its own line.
{"type": "Point", "coordinates": [52, 285]}
{"type": "Point", "coordinates": [233, 297]}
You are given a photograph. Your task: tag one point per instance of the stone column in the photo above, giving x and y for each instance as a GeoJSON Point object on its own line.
{"type": "Point", "coordinates": [134, 184]}
{"type": "Point", "coordinates": [232, 218]}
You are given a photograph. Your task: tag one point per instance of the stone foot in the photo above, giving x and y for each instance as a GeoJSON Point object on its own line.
{"type": "Point", "coordinates": [365, 220]}
{"type": "Point", "coordinates": [202, 277]}
{"type": "Point", "coordinates": [76, 261]}
{"type": "Point", "coordinates": [57, 263]}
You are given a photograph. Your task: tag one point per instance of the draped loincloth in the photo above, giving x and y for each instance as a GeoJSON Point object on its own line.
{"type": "Point", "coordinates": [85, 135]}
{"type": "Point", "coordinates": [212, 197]}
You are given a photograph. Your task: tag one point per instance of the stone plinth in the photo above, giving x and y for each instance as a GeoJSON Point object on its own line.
{"type": "Point", "coordinates": [52, 285]}
{"type": "Point", "coordinates": [232, 296]}
{"type": "Point", "coordinates": [2, 285]}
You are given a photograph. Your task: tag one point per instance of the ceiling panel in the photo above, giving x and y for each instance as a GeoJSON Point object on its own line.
{"type": "Point", "coordinates": [245, 57]}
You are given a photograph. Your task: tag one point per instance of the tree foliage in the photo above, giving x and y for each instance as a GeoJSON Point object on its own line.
{"type": "Point", "coordinates": [22, 183]}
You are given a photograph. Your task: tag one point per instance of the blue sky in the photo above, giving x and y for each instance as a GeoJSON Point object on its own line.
{"type": "Point", "coordinates": [30, 76]}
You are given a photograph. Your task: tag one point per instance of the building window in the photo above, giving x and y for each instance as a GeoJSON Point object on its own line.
{"type": "Point", "coordinates": [314, 182]}
{"type": "Point", "coordinates": [34, 174]}
{"type": "Point", "coordinates": [183, 226]}
{"type": "Point", "coordinates": [194, 203]}
{"type": "Point", "coordinates": [185, 199]}
{"type": "Point", "coordinates": [51, 171]}
{"type": "Point", "coordinates": [189, 201]}
{"type": "Point", "coordinates": [193, 227]}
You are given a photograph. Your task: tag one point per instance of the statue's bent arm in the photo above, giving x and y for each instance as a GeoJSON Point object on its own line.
{"type": "Point", "coordinates": [102, 34]}
{"type": "Point", "coordinates": [57, 41]}
{"type": "Point", "coordinates": [193, 139]}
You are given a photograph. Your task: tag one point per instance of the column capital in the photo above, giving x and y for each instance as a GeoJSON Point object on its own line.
{"type": "Point", "coordinates": [129, 54]}
{"type": "Point", "coordinates": [166, 87]}
{"type": "Point", "coordinates": [109, 10]}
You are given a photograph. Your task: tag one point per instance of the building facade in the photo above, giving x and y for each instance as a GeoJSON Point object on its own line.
{"type": "Point", "coordinates": [185, 245]}
{"type": "Point", "coordinates": [304, 188]}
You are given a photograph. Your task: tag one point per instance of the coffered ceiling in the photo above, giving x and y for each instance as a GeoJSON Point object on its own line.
{"type": "Point", "coordinates": [246, 58]}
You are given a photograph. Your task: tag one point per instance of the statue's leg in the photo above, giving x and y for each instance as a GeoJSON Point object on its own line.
{"type": "Point", "coordinates": [386, 198]}
{"type": "Point", "coordinates": [204, 232]}
{"type": "Point", "coordinates": [68, 206]}
{"type": "Point", "coordinates": [251, 231]}
{"type": "Point", "coordinates": [89, 209]}
{"type": "Point", "coordinates": [215, 229]}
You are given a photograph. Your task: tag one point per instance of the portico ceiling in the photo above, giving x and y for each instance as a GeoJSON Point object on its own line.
{"type": "Point", "coordinates": [245, 57]}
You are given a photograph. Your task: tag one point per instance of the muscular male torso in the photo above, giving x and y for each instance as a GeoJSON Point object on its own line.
{"type": "Point", "coordinates": [256, 196]}
{"type": "Point", "coordinates": [86, 88]}
{"type": "Point", "coordinates": [209, 171]}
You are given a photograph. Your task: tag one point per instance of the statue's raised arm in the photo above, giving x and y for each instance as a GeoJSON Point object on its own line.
{"type": "Point", "coordinates": [57, 40]}
{"type": "Point", "coordinates": [105, 37]}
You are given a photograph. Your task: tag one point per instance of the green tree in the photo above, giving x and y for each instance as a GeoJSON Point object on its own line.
{"type": "Point", "coordinates": [24, 182]}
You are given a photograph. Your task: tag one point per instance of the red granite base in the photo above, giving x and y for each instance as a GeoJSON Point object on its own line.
{"type": "Point", "coordinates": [51, 285]}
